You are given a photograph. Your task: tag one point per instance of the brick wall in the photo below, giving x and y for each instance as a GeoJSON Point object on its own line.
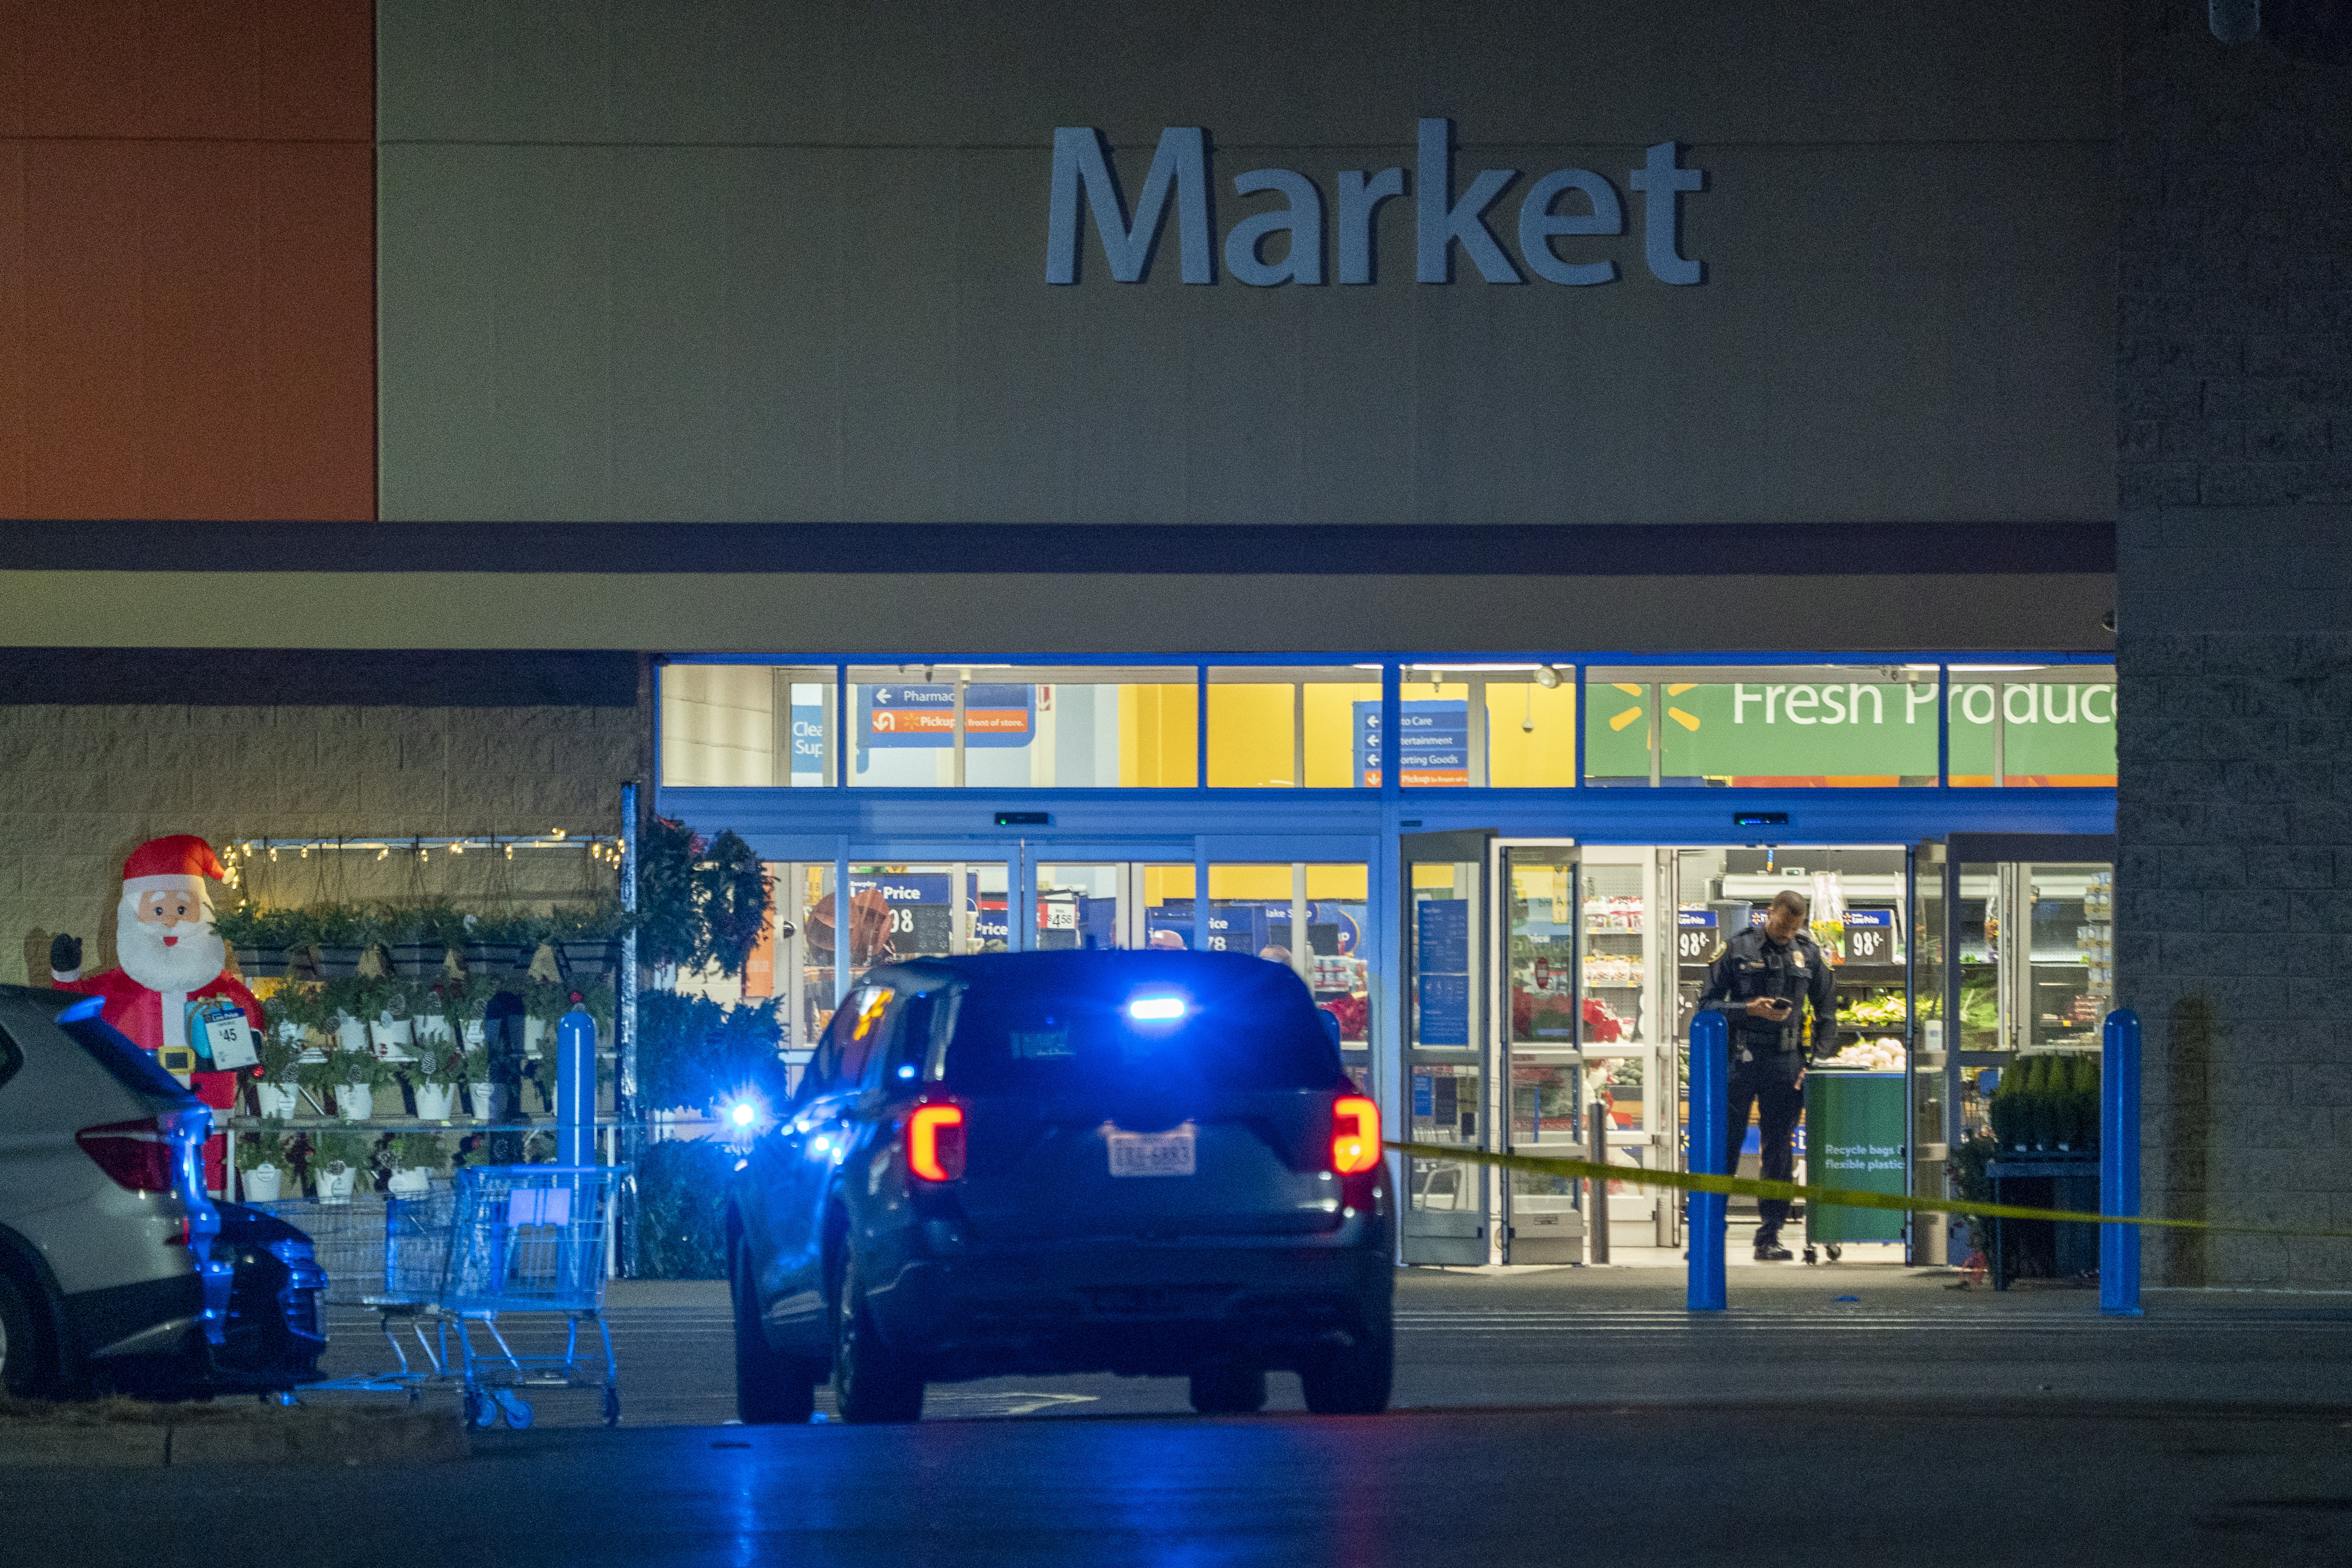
{"type": "Point", "coordinates": [84, 784]}
{"type": "Point", "coordinates": [2234, 395]}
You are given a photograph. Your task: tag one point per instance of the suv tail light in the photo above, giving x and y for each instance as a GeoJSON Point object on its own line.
{"type": "Point", "coordinates": [1355, 1135]}
{"type": "Point", "coordinates": [138, 1155]}
{"type": "Point", "coordinates": [935, 1143]}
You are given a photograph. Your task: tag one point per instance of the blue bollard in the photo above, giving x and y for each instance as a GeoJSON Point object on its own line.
{"type": "Point", "coordinates": [575, 1090]}
{"type": "Point", "coordinates": [2120, 1165]}
{"type": "Point", "coordinates": [1710, 1075]}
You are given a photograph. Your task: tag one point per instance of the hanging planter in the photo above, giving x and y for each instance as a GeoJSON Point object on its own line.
{"type": "Point", "coordinates": [495, 957]}
{"type": "Point", "coordinates": [587, 958]}
{"type": "Point", "coordinates": [338, 961]}
{"type": "Point", "coordinates": [265, 942]}
{"type": "Point", "coordinates": [416, 960]}
{"type": "Point", "coordinates": [263, 963]}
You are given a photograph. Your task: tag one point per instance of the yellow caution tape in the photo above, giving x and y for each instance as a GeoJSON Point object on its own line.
{"type": "Point", "coordinates": [1840, 1197]}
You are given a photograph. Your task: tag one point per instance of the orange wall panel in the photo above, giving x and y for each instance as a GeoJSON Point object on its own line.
{"type": "Point", "coordinates": [318, 331]}
{"type": "Point", "coordinates": [79, 379]}
{"type": "Point", "coordinates": [187, 195]}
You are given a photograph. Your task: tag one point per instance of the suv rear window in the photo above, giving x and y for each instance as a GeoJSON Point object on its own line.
{"type": "Point", "coordinates": [1247, 1031]}
{"type": "Point", "coordinates": [134, 1068]}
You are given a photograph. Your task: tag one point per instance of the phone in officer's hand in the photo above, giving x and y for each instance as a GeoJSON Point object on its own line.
{"type": "Point", "coordinates": [1780, 1005]}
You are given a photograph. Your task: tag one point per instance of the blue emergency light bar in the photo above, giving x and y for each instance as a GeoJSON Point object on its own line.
{"type": "Point", "coordinates": [1157, 1009]}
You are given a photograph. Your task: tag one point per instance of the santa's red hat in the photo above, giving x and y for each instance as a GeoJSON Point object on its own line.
{"type": "Point", "coordinates": [179, 863]}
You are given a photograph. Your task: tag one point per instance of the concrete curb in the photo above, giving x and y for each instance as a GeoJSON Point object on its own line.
{"type": "Point", "coordinates": [302, 1435]}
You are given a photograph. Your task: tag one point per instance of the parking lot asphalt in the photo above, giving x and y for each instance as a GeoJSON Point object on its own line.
{"type": "Point", "coordinates": [1849, 1416]}
{"type": "Point", "coordinates": [1492, 1337]}
{"type": "Point", "coordinates": [1821, 1484]}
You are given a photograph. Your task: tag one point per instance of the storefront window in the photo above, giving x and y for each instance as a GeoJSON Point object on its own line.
{"type": "Point", "coordinates": [1287, 726]}
{"type": "Point", "coordinates": [2025, 726]}
{"type": "Point", "coordinates": [1794, 727]}
{"type": "Point", "coordinates": [1499, 726]}
{"type": "Point", "coordinates": [1114, 904]}
{"type": "Point", "coordinates": [797, 970]}
{"type": "Point", "coordinates": [733, 725]}
{"type": "Point", "coordinates": [952, 726]}
{"type": "Point", "coordinates": [1312, 917]}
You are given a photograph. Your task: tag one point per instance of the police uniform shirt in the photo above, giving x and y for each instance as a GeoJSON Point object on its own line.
{"type": "Point", "coordinates": [1752, 965]}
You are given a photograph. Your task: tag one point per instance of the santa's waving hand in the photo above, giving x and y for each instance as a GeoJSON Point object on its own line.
{"type": "Point", "coordinates": [171, 961]}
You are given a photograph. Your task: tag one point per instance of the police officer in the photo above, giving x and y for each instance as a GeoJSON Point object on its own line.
{"type": "Point", "coordinates": [1761, 981]}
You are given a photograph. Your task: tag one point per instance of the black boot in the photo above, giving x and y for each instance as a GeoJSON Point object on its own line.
{"type": "Point", "coordinates": [1769, 1248]}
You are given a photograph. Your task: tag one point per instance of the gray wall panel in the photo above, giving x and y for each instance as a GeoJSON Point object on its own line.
{"type": "Point", "coordinates": [709, 262]}
{"type": "Point", "coordinates": [1324, 72]}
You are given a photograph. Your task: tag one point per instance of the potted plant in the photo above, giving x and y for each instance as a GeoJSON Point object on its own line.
{"type": "Point", "coordinates": [543, 1003]}
{"type": "Point", "coordinates": [414, 1159]}
{"type": "Point", "coordinates": [316, 1074]}
{"type": "Point", "coordinates": [393, 1029]}
{"type": "Point", "coordinates": [340, 935]}
{"type": "Point", "coordinates": [261, 1165]}
{"type": "Point", "coordinates": [274, 1087]}
{"type": "Point", "coordinates": [350, 1002]}
{"type": "Point", "coordinates": [467, 1001]}
{"type": "Point", "coordinates": [435, 1080]}
{"type": "Point", "coordinates": [429, 1007]}
{"type": "Point", "coordinates": [336, 1161]}
{"type": "Point", "coordinates": [539, 1074]}
{"type": "Point", "coordinates": [363, 1074]}
{"type": "Point", "coordinates": [482, 1094]}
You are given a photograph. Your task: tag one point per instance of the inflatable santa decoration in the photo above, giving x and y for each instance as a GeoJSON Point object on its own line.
{"type": "Point", "coordinates": [170, 996]}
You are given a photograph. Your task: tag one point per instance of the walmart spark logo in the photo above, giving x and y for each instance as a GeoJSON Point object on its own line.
{"type": "Point", "coordinates": [1619, 721]}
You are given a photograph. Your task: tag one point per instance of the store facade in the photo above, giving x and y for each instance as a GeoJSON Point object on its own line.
{"type": "Point", "coordinates": [1690, 439]}
{"type": "Point", "coordinates": [1513, 924]}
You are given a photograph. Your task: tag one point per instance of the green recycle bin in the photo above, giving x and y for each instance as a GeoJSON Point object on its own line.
{"type": "Point", "coordinates": [1854, 1139]}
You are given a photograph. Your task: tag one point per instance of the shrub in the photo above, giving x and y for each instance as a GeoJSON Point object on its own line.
{"type": "Point", "coordinates": [692, 1051]}
{"type": "Point", "coordinates": [681, 1209]}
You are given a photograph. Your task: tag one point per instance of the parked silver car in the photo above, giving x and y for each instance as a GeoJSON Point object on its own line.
{"type": "Point", "coordinates": [117, 1271]}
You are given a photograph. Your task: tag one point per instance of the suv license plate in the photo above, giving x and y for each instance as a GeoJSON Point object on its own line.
{"type": "Point", "coordinates": [1151, 1153]}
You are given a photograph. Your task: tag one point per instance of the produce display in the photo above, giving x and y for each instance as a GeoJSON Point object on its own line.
{"type": "Point", "coordinates": [1884, 1054]}
{"type": "Point", "coordinates": [1875, 1013]}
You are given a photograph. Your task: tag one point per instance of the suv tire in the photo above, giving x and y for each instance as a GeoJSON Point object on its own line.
{"type": "Point", "coordinates": [25, 1368]}
{"type": "Point", "coordinates": [1228, 1390]}
{"type": "Point", "coordinates": [771, 1390]}
{"type": "Point", "coordinates": [1351, 1382]}
{"type": "Point", "coordinates": [872, 1384]}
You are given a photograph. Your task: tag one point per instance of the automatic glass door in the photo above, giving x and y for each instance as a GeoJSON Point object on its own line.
{"type": "Point", "coordinates": [1449, 1215]}
{"type": "Point", "coordinates": [1538, 1023]}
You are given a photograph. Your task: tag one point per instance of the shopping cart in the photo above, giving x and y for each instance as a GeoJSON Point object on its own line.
{"type": "Point", "coordinates": [528, 1238]}
{"type": "Point", "coordinates": [348, 1239]}
{"type": "Point", "coordinates": [416, 1267]}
